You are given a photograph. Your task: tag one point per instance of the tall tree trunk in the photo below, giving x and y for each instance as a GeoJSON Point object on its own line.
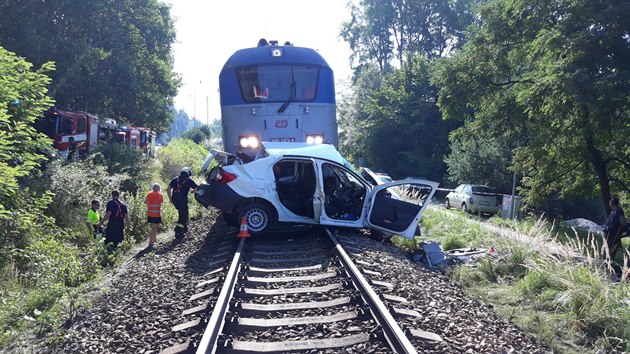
{"type": "Point", "coordinates": [599, 164]}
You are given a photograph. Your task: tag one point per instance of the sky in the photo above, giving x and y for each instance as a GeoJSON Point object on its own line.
{"type": "Point", "coordinates": [209, 32]}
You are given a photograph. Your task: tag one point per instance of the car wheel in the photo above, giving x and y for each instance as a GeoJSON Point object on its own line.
{"type": "Point", "coordinates": [464, 208]}
{"type": "Point", "coordinates": [258, 218]}
{"type": "Point", "coordinates": [447, 204]}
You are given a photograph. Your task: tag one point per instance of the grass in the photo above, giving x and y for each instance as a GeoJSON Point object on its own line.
{"type": "Point", "coordinates": [564, 296]}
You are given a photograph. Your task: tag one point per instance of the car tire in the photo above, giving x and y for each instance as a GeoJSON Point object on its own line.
{"type": "Point", "coordinates": [447, 204]}
{"type": "Point", "coordinates": [258, 218]}
{"type": "Point", "coordinates": [464, 208]}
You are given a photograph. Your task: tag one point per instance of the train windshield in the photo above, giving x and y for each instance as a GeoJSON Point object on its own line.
{"type": "Point", "coordinates": [278, 83]}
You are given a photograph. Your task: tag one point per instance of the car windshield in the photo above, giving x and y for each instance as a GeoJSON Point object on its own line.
{"type": "Point", "coordinates": [385, 179]}
{"type": "Point", "coordinates": [482, 189]}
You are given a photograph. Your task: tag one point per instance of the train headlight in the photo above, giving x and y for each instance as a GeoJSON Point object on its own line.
{"type": "Point", "coordinates": [314, 138]}
{"type": "Point", "coordinates": [249, 142]}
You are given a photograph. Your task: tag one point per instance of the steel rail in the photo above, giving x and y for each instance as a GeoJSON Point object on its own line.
{"type": "Point", "coordinates": [208, 343]}
{"type": "Point", "coordinates": [393, 333]}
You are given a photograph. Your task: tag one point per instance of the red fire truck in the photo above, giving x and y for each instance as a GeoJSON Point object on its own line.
{"type": "Point", "coordinates": [61, 126]}
{"type": "Point", "coordinates": [87, 132]}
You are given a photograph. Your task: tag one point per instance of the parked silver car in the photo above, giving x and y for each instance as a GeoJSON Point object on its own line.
{"type": "Point", "coordinates": [474, 198]}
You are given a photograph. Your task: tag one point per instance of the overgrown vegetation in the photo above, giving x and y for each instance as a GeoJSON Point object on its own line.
{"type": "Point", "coordinates": [46, 253]}
{"type": "Point", "coordinates": [564, 296]}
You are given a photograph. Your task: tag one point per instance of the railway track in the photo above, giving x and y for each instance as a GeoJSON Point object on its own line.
{"type": "Point", "coordinates": [290, 293]}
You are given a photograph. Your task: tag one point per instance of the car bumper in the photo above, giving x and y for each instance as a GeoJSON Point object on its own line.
{"type": "Point", "coordinates": [485, 208]}
{"type": "Point", "coordinates": [220, 196]}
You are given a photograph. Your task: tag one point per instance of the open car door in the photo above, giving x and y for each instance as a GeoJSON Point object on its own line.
{"type": "Point", "coordinates": [396, 207]}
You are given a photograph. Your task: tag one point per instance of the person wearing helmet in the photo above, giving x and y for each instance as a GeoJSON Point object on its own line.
{"type": "Point", "coordinates": [177, 192]}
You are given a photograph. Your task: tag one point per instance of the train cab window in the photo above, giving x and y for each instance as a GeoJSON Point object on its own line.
{"type": "Point", "coordinates": [67, 126]}
{"type": "Point", "coordinates": [81, 126]}
{"type": "Point", "coordinates": [278, 83]}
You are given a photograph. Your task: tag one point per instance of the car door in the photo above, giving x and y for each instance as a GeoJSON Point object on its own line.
{"type": "Point", "coordinates": [399, 215]}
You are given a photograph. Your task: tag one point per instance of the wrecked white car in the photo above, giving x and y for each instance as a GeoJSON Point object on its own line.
{"type": "Point", "coordinates": [307, 184]}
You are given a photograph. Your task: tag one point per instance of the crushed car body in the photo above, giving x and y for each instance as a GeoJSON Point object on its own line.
{"type": "Point", "coordinates": [308, 184]}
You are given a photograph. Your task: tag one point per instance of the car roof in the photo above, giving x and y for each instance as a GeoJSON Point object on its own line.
{"type": "Point", "coordinates": [320, 151]}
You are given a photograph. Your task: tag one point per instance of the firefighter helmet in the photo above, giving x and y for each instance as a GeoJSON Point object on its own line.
{"type": "Point", "coordinates": [186, 172]}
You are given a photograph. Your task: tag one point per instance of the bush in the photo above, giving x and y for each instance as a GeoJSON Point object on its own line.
{"type": "Point", "coordinates": [75, 185]}
{"type": "Point", "coordinates": [120, 159]}
{"type": "Point", "coordinates": [180, 153]}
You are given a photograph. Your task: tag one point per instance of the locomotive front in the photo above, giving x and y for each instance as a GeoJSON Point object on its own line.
{"type": "Point", "coordinates": [276, 93]}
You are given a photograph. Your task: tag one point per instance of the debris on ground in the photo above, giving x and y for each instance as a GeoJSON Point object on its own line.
{"type": "Point", "coordinates": [584, 224]}
{"type": "Point", "coordinates": [431, 254]}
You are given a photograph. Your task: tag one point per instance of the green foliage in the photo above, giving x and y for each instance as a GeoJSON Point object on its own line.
{"type": "Point", "coordinates": [477, 157]}
{"type": "Point", "coordinates": [120, 159]}
{"type": "Point", "coordinates": [380, 31]}
{"type": "Point", "coordinates": [22, 99]}
{"type": "Point", "coordinates": [113, 57]}
{"type": "Point", "coordinates": [548, 75]}
{"type": "Point", "coordinates": [532, 286]}
{"type": "Point", "coordinates": [198, 134]}
{"type": "Point", "coordinates": [75, 185]}
{"type": "Point", "coordinates": [452, 242]}
{"type": "Point", "coordinates": [404, 99]}
{"type": "Point", "coordinates": [180, 153]}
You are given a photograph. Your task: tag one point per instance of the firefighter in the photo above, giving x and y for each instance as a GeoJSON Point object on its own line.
{"type": "Point", "coordinates": [116, 216]}
{"type": "Point", "coordinates": [177, 192]}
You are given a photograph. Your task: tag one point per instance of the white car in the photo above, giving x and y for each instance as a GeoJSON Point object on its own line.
{"type": "Point", "coordinates": [474, 198]}
{"type": "Point", "coordinates": [306, 184]}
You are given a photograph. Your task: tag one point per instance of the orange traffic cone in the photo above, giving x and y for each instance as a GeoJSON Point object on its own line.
{"type": "Point", "coordinates": [243, 232]}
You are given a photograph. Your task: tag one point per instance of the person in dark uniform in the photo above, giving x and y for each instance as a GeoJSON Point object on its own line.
{"type": "Point", "coordinates": [72, 149]}
{"type": "Point", "coordinates": [116, 215]}
{"type": "Point", "coordinates": [615, 227]}
{"type": "Point", "coordinates": [177, 192]}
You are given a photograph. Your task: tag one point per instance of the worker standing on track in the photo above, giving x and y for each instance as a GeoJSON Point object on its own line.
{"type": "Point", "coordinates": [153, 201]}
{"type": "Point", "coordinates": [177, 192]}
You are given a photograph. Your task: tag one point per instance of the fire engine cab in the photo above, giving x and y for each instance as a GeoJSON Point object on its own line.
{"type": "Point", "coordinates": [62, 125]}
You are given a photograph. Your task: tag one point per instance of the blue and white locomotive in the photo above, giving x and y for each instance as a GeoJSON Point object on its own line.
{"type": "Point", "coordinates": [276, 93]}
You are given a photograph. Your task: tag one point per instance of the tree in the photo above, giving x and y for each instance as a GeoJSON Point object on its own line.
{"type": "Point", "coordinates": [477, 157]}
{"type": "Point", "coordinates": [23, 97]}
{"type": "Point", "coordinates": [381, 30]}
{"type": "Point", "coordinates": [554, 76]}
{"type": "Point", "coordinates": [198, 134]}
{"type": "Point", "coordinates": [399, 128]}
{"type": "Point", "coordinates": [113, 57]}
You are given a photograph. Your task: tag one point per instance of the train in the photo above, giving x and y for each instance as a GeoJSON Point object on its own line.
{"type": "Point", "coordinates": [276, 93]}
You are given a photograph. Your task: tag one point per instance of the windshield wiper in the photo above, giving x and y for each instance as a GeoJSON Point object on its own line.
{"type": "Point", "coordinates": [292, 97]}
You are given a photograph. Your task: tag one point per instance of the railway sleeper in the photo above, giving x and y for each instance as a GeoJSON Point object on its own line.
{"type": "Point", "coordinates": [180, 348]}
{"type": "Point", "coordinates": [266, 280]}
{"type": "Point", "coordinates": [241, 347]}
{"type": "Point", "coordinates": [256, 270]}
{"type": "Point", "coordinates": [249, 308]}
{"type": "Point", "coordinates": [235, 323]}
{"type": "Point", "coordinates": [300, 259]}
{"type": "Point", "coordinates": [248, 293]}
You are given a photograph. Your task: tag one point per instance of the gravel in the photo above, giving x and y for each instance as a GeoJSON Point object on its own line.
{"type": "Point", "coordinates": [149, 292]}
